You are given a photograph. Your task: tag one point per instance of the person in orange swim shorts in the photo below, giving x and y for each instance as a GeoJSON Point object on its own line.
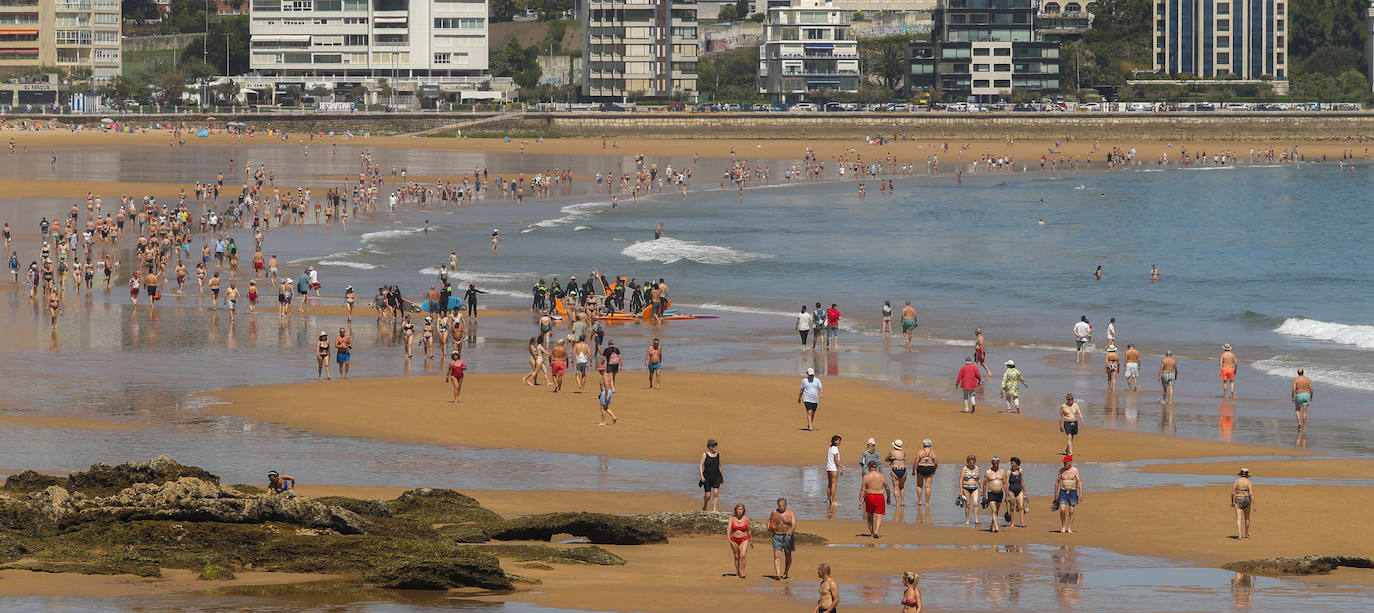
{"type": "Point", "coordinates": [1227, 365]}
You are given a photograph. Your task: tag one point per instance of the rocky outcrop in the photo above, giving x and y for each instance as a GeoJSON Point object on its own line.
{"type": "Point", "coordinates": [1305, 565]}
{"type": "Point", "coordinates": [438, 506]}
{"type": "Point", "coordinates": [708, 523]}
{"type": "Point", "coordinates": [471, 570]}
{"type": "Point", "coordinates": [599, 528]}
{"type": "Point", "coordinates": [185, 499]}
{"type": "Point", "coordinates": [590, 554]}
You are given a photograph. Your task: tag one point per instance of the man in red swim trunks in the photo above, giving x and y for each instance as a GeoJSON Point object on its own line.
{"type": "Point", "coordinates": [558, 362]}
{"type": "Point", "coordinates": [874, 498]}
{"type": "Point", "coordinates": [1227, 364]}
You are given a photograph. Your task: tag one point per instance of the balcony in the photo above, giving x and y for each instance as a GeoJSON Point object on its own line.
{"type": "Point", "coordinates": [1063, 23]}
{"type": "Point", "coordinates": [817, 72]}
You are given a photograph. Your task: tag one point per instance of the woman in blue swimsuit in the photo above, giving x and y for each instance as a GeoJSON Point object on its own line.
{"type": "Point", "coordinates": [896, 459]}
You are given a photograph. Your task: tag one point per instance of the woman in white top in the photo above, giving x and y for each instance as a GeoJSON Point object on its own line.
{"type": "Point", "coordinates": [804, 325]}
{"type": "Point", "coordinates": [833, 469]}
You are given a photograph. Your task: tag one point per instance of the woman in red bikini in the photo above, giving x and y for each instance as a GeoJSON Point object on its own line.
{"type": "Point", "coordinates": [911, 596]}
{"type": "Point", "coordinates": [454, 374]}
{"type": "Point", "coordinates": [740, 543]}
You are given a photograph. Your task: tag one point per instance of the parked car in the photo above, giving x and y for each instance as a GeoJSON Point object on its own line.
{"type": "Point", "coordinates": [803, 107]}
{"type": "Point", "coordinates": [1091, 107]}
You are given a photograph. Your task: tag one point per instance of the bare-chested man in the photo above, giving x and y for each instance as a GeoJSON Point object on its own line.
{"type": "Point", "coordinates": [1168, 376]}
{"type": "Point", "coordinates": [653, 359]}
{"type": "Point", "coordinates": [994, 484]}
{"type": "Point", "coordinates": [1132, 367]}
{"type": "Point", "coordinates": [1227, 365]}
{"type": "Point", "coordinates": [829, 600]}
{"type": "Point", "coordinates": [874, 496]}
{"type": "Point", "coordinates": [343, 350]}
{"type": "Point", "coordinates": [1302, 396]}
{"type": "Point", "coordinates": [558, 362]}
{"type": "Point", "coordinates": [782, 522]}
{"type": "Point", "coordinates": [980, 351]}
{"type": "Point", "coordinates": [908, 322]}
{"type": "Point", "coordinates": [1068, 494]}
{"type": "Point", "coordinates": [1069, 417]}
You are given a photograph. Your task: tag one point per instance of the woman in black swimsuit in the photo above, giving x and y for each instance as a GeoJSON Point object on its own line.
{"type": "Point", "coordinates": [926, 463]}
{"type": "Point", "coordinates": [1017, 486]}
{"type": "Point", "coordinates": [711, 478]}
{"type": "Point", "coordinates": [896, 459]}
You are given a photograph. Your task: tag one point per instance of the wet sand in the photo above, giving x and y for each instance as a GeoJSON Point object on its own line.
{"type": "Point", "coordinates": [1292, 469]}
{"type": "Point", "coordinates": [43, 421]}
{"type": "Point", "coordinates": [1027, 151]}
{"type": "Point", "coordinates": [525, 502]}
{"type": "Point", "coordinates": [756, 419]}
{"type": "Point", "coordinates": [29, 583]}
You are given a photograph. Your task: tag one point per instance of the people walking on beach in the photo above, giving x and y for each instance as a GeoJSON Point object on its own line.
{"type": "Point", "coordinates": [868, 455]}
{"type": "Point", "coordinates": [454, 373]}
{"type": "Point", "coordinates": [833, 469]}
{"type": "Point", "coordinates": [969, 479]}
{"type": "Point", "coordinates": [887, 317]}
{"type": "Point", "coordinates": [829, 600]}
{"type": "Point", "coordinates": [322, 356]}
{"type": "Point", "coordinates": [1243, 501]}
{"type": "Point", "coordinates": [967, 380]}
{"type": "Point", "coordinates": [1227, 365]}
{"type": "Point", "coordinates": [810, 396]}
{"type": "Point", "coordinates": [582, 361]}
{"type": "Point", "coordinates": [1082, 335]}
{"type": "Point", "coordinates": [1302, 397]}
{"type": "Point", "coordinates": [1068, 495]}
{"type": "Point", "coordinates": [1168, 376]}
{"type": "Point", "coordinates": [738, 535]}
{"type": "Point", "coordinates": [896, 462]}
{"type": "Point", "coordinates": [782, 524]}
{"type": "Point", "coordinates": [1012, 380]}
{"type": "Point", "coordinates": [908, 322]}
{"type": "Point", "coordinates": [994, 489]}
{"type": "Point", "coordinates": [804, 325]}
{"type": "Point", "coordinates": [611, 357]}
{"type": "Point", "coordinates": [343, 350]}
{"type": "Point", "coordinates": [558, 363]}
{"type": "Point", "coordinates": [653, 359]}
{"type": "Point", "coordinates": [832, 328]}
{"type": "Point", "coordinates": [1113, 362]}
{"type": "Point", "coordinates": [980, 351]}
{"type": "Point", "coordinates": [1016, 484]}
{"type": "Point", "coordinates": [1070, 414]}
{"type": "Point", "coordinates": [1111, 331]}
{"type": "Point", "coordinates": [537, 353]}
{"type": "Point", "coordinates": [874, 496]}
{"type": "Point", "coordinates": [926, 463]}
{"type": "Point", "coordinates": [710, 477]}
{"type": "Point", "coordinates": [1132, 367]}
{"type": "Point", "coordinates": [604, 396]}
{"type": "Point", "coordinates": [911, 595]}
{"type": "Point", "coordinates": [470, 297]}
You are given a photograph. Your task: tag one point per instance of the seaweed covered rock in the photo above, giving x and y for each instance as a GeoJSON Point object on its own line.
{"type": "Point", "coordinates": [30, 481]}
{"type": "Point", "coordinates": [590, 554]}
{"type": "Point", "coordinates": [472, 569]}
{"type": "Point", "coordinates": [215, 572]}
{"type": "Point", "coordinates": [11, 548]}
{"type": "Point", "coordinates": [440, 506]}
{"type": "Point", "coordinates": [698, 523]}
{"type": "Point", "coordinates": [367, 508]}
{"type": "Point", "coordinates": [1305, 565]}
{"type": "Point", "coordinates": [104, 479]}
{"type": "Point", "coordinates": [599, 528]}
{"type": "Point", "coordinates": [465, 533]}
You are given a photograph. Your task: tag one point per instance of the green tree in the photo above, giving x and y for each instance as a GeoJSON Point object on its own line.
{"type": "Point", "coordinates": [1120, 40]}
{"type": "Point", "coordinates": [728, 13]}
{"type": "Point", "coordinates": [732, 75]}
{"type": "Point", "coordinates": [884, 59]}
{"type": "Point", "coordinates": [502, 10]}
{"type": "Point", "coordinates": [213, 47]}
{"type": "Point", "coordinates": [173, 84]}
{"type": "Point", "coordinates": [1314, 24]}
{"type": "Point", "coordinates": [139, 11]}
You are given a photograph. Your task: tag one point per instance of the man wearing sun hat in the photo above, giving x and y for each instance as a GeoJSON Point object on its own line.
{"type": "Point", "coordinates": [1227, 364]}
{"type": "Point", "coordinates": [810, 396]}
{"type": "Point", "coordinates": [1068, 494]}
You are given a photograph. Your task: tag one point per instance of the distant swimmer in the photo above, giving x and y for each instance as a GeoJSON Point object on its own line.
{"type": "Point", "coordinates": [1168, 376]}
{"type": "Point", "coordinates": [1098, 273]}
{"type": "Point", "coordinates": [1302, 397]}
{"type": "Point", "coordinates": [1154, 272]}
{"type": "Point", "coordinates": [1040, 223]}
{"type": "Point", "coordinates": [908, 322]}
{"type": "Point", "coordinates": [1226, 364]}
{"type": "Point", "coordinates": [495, 240]}
{"type": "Point", "coordinates": [658, 232]}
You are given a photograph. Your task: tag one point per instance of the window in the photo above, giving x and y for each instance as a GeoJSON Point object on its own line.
{"type": "Point", "coordinates": [354, 21]}
{"type": "Point", "coordinates": [456, 23]}
{"type": "Point", "coordinates": [107, 19]}
{"type": "Point", "coordinates": [1223, 25]}
{"type": "Point", "coordinates": [1224, 8]}
{"type": "Point", "coordinates": [328, 58]}
{"type": "Point", "coordinates": [298, 5]}
{"type": "Point", "coordinates": [1002, 83]}
{"type": "Point", "coordinates": [1002, 67]}
{"type": "Point", "coordinates": [1279, 8]}
{"type": "Point", "coordinates": [73, 20]}
{"type": "Point", "coordinates": [980, 82]}
{"type": "Point", "coordinates": [106, 5]}
{"type": "Point", "coordinates": [1280, 25]}
{"type": "Point", "coordinates": [1002, 51]}
{"type": "Point", "coordinates": [355, 40]}
{"type": "Point", "coordinates": [106, 37]}
{"type": "Point", "coordinates": [73, 37]}
{"type": "Point", "coordinates": [441, 58]}
{"type": "Point", "coordinates": [355, 5]}
{"type": "Point", "coordinates": [1222, 41]}
{"type": "Point", "coordinates": [1279, 41]}
{"type": "Point", "coordinates": [980, 68]}
{"type": "Point", "coordinates": [106, 55]}
{"type": "Point", "coordinates": [980, 51]}
{"type": "Point", "coordinates": [26, 37]}
{"type": "Point", "coordinates": [266, 5]}
{"type": "Point", "coordinates": [329, 5]}
{"type": "Point", "coordinates": [1280, 58]}
{"type": "Point", "coordinates": [1224, 58]}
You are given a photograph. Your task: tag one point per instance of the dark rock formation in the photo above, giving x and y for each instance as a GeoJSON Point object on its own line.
{"type": "Point", "coordinates": [1305, 565]}
{"type": "Point", "coordinates": [599, 528]}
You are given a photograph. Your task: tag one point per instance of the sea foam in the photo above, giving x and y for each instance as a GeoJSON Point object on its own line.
{"type": "Point", "coordinates": [1361, 337]}
{"type": "Point", "coordinates": [672, 250]}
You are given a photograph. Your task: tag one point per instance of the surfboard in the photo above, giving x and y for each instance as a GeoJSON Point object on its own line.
{"type": "Point", "coordinates": [454, 303]}
{"type": "Point", "coordinates": [648, 311]}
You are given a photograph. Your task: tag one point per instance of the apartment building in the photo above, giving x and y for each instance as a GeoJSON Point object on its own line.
{"type": "Point", "coordinates": [988, 49]}
{"type": "Point", "coordinates": [67, 34]}
{"type": "Point", "coordinates": [399, 39]}
{"type": "Point", "coordinates": [807, 48]}
{"type": "Point", "coordinates": [1245, 39]}
{"type": "Point", "coordinates": [639, 48]}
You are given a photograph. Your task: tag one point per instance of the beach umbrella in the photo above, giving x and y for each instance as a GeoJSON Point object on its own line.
{"type": "Point", "coordinates": [107, 120]}
{"type": "Point", "coordinates": [211, 119]}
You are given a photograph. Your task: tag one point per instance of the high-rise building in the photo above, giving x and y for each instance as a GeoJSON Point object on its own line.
{"type": "Point", "coordinates": [402, 39]}
{"type": "Point", "coordinates": [984, 48]}
{"type": "Point", "coordinates": [67, 34]}
{"type": "Point", "coordinates": [1247, 39]}
{"type": "Point", "coordinates": [639, 48]}
{"type": "Point", "coordinates": [807, 48]}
